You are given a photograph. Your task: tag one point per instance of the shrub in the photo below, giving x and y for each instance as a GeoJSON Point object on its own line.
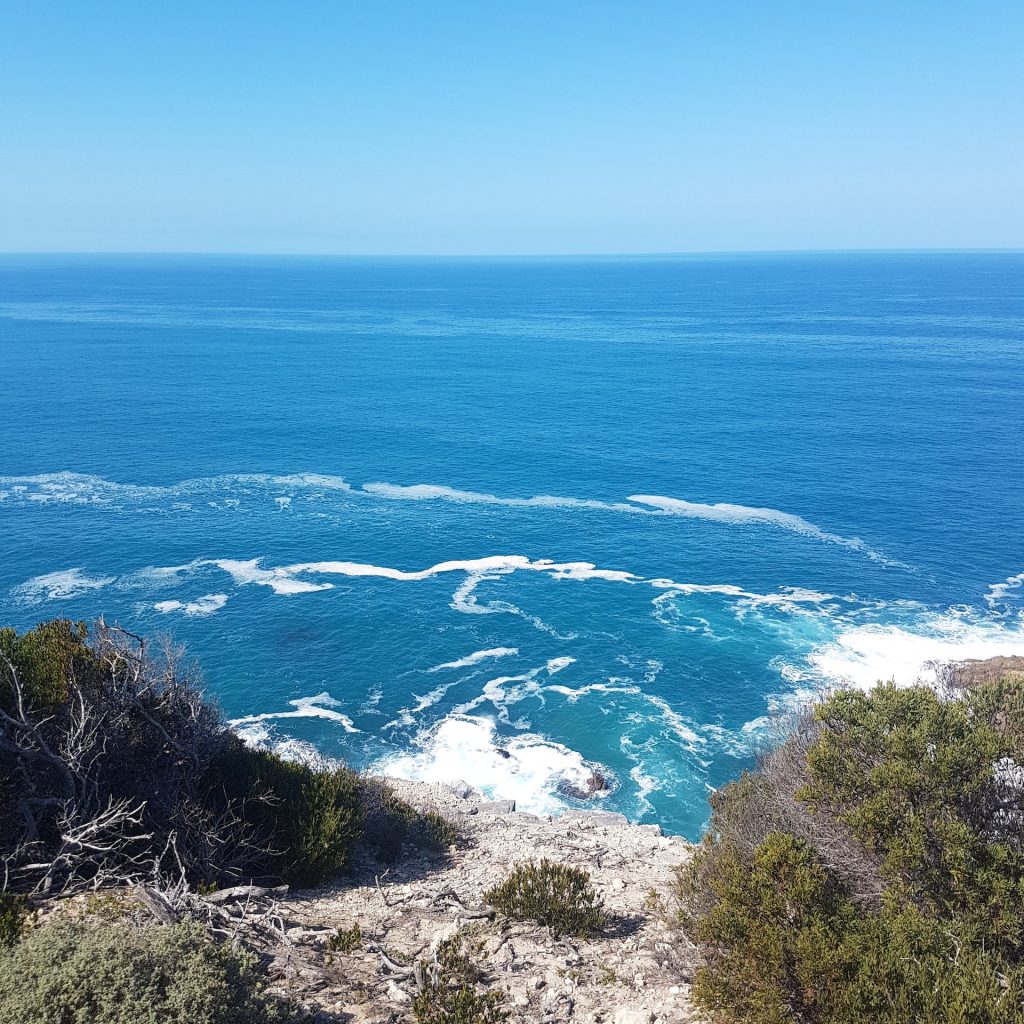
{"type": "Point", "coordinates": [345, 940]}
{"type": "Point", "coordinates": [105, 740]}
{"type": "Point", "coordinates": [119, 974]}
{"type": "Point", "coordinates": [45, 659]}
{"type": "Point", "coordinates": [449, 995]}
{"type": "Point", "coordinates": [555, 895]}
{"type": "Point", "coordinates": [438, 833]}
{"type": "Point", "coordinates": [771, 935]}
{"type": "Point", "coordinates": [871, 869]}
{"type": "Point", "coordinates": [389, 820]}
{"type": "Point", "coordinates": [14, 915]}
{"type": "Point", "coordinates": [307, 816]}
{"type": "Point", "coordinates": [459, 1004]}
{"type": "Point", "coordinates": [911, 775]}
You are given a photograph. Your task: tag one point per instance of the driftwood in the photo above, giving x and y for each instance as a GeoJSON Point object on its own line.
{"type": "Point", "coordinates": [245, 892]}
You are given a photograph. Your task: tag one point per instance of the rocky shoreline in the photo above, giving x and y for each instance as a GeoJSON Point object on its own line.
{"type": "Point", "coordinates": [635, 973]}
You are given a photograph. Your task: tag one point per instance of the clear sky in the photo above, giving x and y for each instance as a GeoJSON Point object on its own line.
{"type": "Point", "coordinates": [529, 127]}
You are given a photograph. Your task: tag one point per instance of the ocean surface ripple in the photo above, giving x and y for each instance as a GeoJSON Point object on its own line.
{"type": "Point", "coordinates": [670, 499]}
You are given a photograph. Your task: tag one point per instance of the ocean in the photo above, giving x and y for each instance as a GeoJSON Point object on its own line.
{"type": "Point", "coordinates": [528, 523]}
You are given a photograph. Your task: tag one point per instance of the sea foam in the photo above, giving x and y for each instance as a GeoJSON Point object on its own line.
{"type": "Point", "coordinates": [865, 655]}
{"type": "Point", "coordinates": [476, 657]}
{"type": "Point", "coordinates": [58, 586]}
{"type": "Point", "coordinates": [321, 705]}
{"type": "Point", "coordinates": [208, 604]}
{"type": "Point", "coordinates": [526, 768]}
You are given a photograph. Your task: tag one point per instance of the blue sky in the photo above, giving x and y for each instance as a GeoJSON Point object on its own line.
{"type": "Point", "coordinates": [384, 127]}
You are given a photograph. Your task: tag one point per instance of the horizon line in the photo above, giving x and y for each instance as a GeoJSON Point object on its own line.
{"type": "Point", "coordinates": [638, 254]}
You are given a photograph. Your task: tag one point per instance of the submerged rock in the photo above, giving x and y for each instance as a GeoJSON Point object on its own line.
{"type": "Point", "coordinates": [594, 784]}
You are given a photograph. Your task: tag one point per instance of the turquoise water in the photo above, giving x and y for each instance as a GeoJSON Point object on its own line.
{"type": "Point", "coordinates": [604, 514]}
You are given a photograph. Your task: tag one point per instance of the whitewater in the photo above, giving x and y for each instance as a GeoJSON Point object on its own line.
{"type": "Point", "coordinates": [522, 523]}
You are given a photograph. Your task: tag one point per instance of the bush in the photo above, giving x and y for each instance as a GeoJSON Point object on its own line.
{"type": "Point", "coordinates": [345, 940]}
{"type": "Point", "coordinates": [449, 994]}
{"type": "Point", "coordinates": [872, 869]}
{"type": "Point", "coordinates": [45, 659]}
{"type": "Point", "coordinates": [555, 895]}
{"type": "Point", "coordinates": [14, 914]}
{"type": "Point", "coordinates": [78, 973]}
{"type": "Point", "coordinates": [105, 740]}
{"type": "Point", "coordinates": [389, 820]}
{"type": "Point", "coordinates": [307, 817]}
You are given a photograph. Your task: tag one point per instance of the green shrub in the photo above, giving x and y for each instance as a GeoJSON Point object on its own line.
{"type": "Point", "coordinates": [870, 870]}
{"type": "Point", "coordinates": [389, 820]}
{"type": "Point", "coordinates": [14, 915]}
{"type": "Point", "coordinates": [345, 940]}
{"type": "Point", "coordinates": [75, 973]}
{"type": "Point", "coordinates": [555, 895]}
{"type": "Point", "coordinates": [438, 832]}
{"type": "Point", "coordinates": [911, 776]}
{"type": "Point", "coordinates": [45, 659]}
{"type": "Point", "coordinates": [308, 816]}
{"type": "Point", "coordinates": [458, 1004]}
{"type": "Point", "coordinates": [449, 990]}
{"type": "Point", "coordinates": [772, 937]}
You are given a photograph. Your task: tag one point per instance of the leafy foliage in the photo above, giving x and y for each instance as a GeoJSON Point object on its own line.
{"type": "Point", "coordinates": [555, 895]}
{"type": "Point", "coordinates": [872, 869]}
{"type": "Point", "coordinates": [345, 940]}
{"type": "Point", "coordinates": [449, 990]}
{"type": "Point", "coordinates": [309, 817]}
{"type": "Point", "coordinates": [391, 824]}
{"type": "Point", "coordinates": [45, 658]}
{"type": "Point", "coordinates": [14, 914]}
{"type": "Point", "coordinates": [120, 974]}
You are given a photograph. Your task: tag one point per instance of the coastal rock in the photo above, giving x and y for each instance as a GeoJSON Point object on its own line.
{"type": "Point", "coordinates": [497, 806]}
{"type": "Point", "coordinates": [632, 974]}
{"type": "Point", "coordinates": [398, 995]}
{"type": "Point", "coordinates": [627, 1015]}
{"type": "Point", "coordinates": [608, 819]}
{"type": "Point", "coordinates": [595, 784]}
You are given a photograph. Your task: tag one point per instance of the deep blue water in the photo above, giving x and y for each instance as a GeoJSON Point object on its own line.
{"type": "Point", "coordinates": [765, 474]}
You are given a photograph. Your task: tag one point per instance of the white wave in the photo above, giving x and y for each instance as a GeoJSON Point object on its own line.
{"type": "Point", "coordinates": [999, 592]}
{"type": "Point", "coordinates": [476, 657]}
{"type": "Point", "coordinates": [557, 664]}
{"type": "Point", "coordinates": [87, 489]}
{"type": "Point", "coordinates": [280, 580]}
{"type": "Point", "coordinates": [310, 480]}
{"type": "Point", "coordinates": [80, 488]}
{"type": "Point", "coordinates": [636, 504]}
{"type": "Point", "coordinates": [322, 705]}
{"type": "Point", "coordinates": [436, 492]}
{"type": "Point", "coordinates": [526, 768]}
{"type": "Point", "coordinates": [865, 655]}
{"type": "Point", "coordinates": [260, 737]}
{"type": "Point", "coordinates": [283, 502]}
{"type": "Point", "coordinates": [57, 586]}
{"type": "Point", "coordinates": [208, 604]}
{"type": "Point", "coordinates": [675, 721]}
{"type": "Point", "coordinates": [573, 695]}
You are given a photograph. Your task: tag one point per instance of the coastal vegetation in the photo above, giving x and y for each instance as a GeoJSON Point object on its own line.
{"type": "Point", "coordinates": [115, 769]}
{"type": "Point", "coordinates": [871, 868]}
{"type": "Point", "coordinates": [555, 895]}
{"type": "Point", "coordinates": [120, 973]}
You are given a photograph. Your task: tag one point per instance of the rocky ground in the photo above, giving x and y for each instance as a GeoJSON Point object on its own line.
{"type": "Point", "coordinates": [634, 974]}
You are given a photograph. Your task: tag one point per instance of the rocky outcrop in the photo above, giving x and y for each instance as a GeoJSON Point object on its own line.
{"type": "Point", "coordinates": [963, 674]}
{"type": "Point", "coordinates": [635, 972]}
